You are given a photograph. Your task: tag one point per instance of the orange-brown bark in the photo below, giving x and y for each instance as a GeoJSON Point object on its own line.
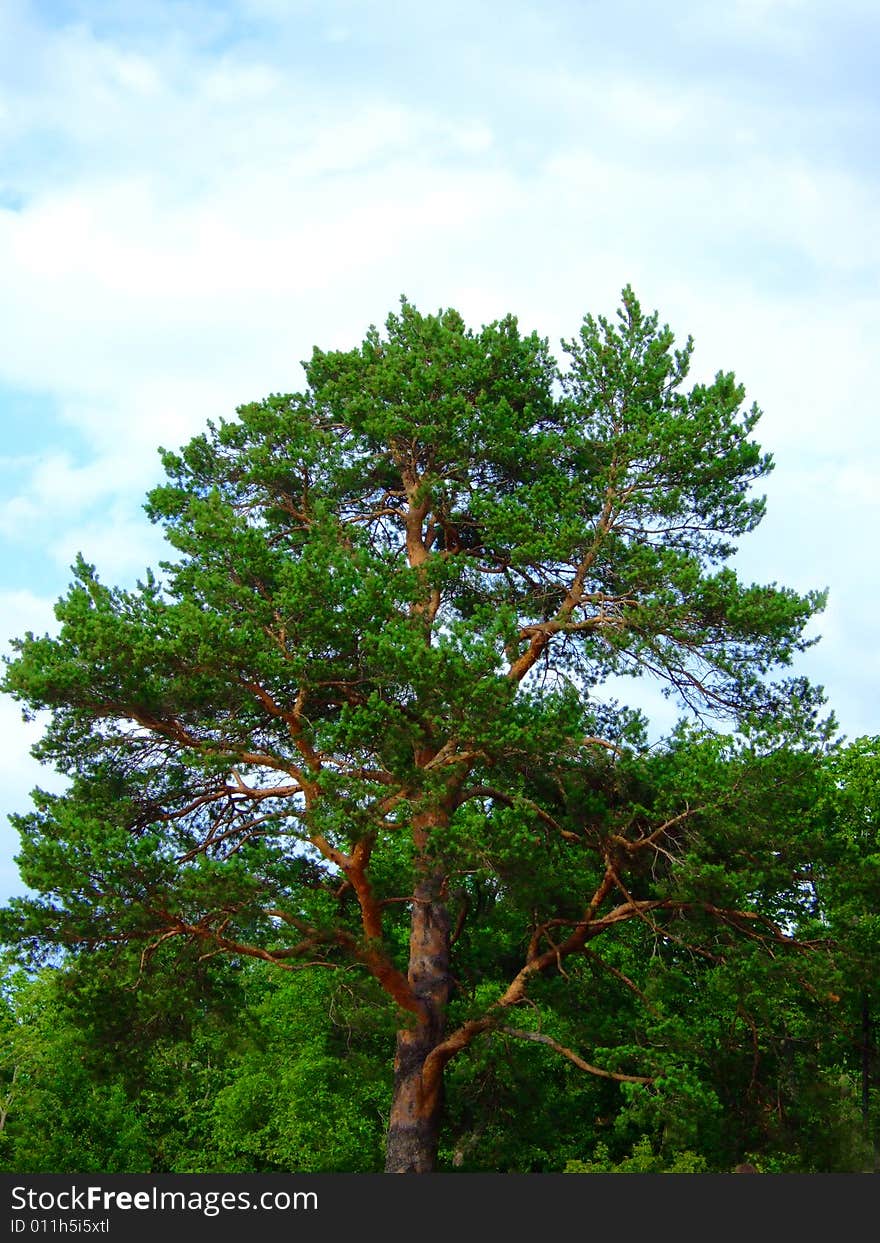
{"type": "Point", "coordinates": [413, 1129]}
{"type": "Point", "coordinates": [414, 1122]}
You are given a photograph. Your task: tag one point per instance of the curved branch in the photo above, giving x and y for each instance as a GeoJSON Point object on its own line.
{"type": "Point", "coordinates": [540, 1038]}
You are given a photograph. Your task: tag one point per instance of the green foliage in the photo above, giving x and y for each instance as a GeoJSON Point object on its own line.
{"type": "Point", "coordinates": [367, 691]}
{"type": "Point", "coordinates": [60, 1115]}
{"type": "Point", "coordinates": [251, 1075]}
{"type": "Point", "coordinates": [642, 1160]}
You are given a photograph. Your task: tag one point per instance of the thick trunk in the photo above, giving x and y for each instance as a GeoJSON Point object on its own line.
{"type": "Point", "coordinates": [416, 1106]}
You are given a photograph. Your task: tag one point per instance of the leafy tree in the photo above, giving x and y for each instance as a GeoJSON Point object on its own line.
{"type": "Point", "coordinates": [358, 720]}
{"type": "Point", "coordinates": [845, 883]}
{"type": "Point", "coordinates": [119, 1067]}
{"type": "Point", "coordinates": [56, 1114]}
{"type": "Point", "coordinates": [642, 1160]}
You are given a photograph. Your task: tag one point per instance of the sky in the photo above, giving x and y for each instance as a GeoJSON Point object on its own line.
{"type": "Point", "coordinates": [193, 195]}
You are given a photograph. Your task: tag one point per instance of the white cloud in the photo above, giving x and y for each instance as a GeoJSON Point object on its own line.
{"type": "Point", "coordinates": [20, 611]}
{"type": "Point", "coordinates": [119, 544]}
{"type": "Point", "coordinates": [19, 775]}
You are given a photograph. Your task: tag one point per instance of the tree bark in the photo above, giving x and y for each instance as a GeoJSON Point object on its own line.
{"type": "Point", "coordinates": [417, 1098]}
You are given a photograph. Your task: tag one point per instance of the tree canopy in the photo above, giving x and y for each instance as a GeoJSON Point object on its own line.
{"type": "Point", "coordinates": [357, 721]}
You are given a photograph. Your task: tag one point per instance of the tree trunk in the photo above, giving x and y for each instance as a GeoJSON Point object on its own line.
{"type": "Point", "coordinates": [417, 1100]}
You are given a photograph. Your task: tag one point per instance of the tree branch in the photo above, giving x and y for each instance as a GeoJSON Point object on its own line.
{"type": "Point", "coordinates": [571, 1056]}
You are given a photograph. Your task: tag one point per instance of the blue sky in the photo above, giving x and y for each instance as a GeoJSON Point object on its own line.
{"type": "Point", "coordinates": [192, 195]}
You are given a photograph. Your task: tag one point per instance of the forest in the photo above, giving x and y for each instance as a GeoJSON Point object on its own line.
{"type": "Point", "coordinates": [361, 865]}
